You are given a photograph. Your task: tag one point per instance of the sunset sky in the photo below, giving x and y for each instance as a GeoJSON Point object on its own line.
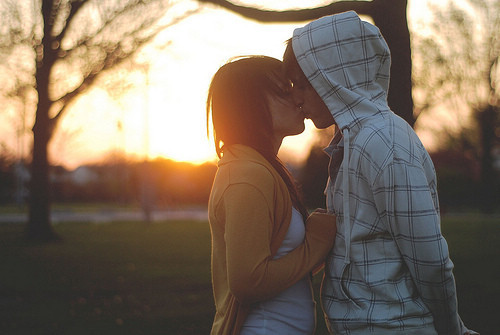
{"type": "Point", "coordinates": [162, 112]}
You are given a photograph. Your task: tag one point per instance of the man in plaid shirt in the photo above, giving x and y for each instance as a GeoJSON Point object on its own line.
{"type": "Point", "coordinates": [389, 271]}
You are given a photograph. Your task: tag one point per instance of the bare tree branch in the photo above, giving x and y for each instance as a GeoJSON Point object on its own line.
{"type": "Point", "coordinates": [298, 15]}
{"type": "Point", "coordinates": [388, 15]}
{"type": "Point", "coordinates": [114, 57]}
{"type": "Point", "coordinates": [75, 7]}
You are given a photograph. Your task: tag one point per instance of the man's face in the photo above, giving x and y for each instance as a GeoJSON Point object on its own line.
{"type": "Point", "coordinates": [306, 97]}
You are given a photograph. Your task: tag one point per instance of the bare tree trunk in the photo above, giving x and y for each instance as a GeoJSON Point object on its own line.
{"type": "Point", "coordinates": [388, 15]}
{"type": "Point", "coordinates": [39, 226]}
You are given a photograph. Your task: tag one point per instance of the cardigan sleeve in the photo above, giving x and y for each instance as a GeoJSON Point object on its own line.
{"type": "Point", "coordinates": [252, 273]}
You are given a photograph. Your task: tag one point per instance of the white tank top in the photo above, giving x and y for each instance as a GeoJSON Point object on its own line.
{"type": "Point", "coordinates": [293, 311]}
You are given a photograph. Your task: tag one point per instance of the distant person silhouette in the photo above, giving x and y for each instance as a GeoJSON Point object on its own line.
{"type": "Point", "coordinates": [264, 244]}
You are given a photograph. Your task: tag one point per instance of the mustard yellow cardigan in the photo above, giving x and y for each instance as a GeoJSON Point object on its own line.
{"type": "Point", "coordinates": [249, 214]}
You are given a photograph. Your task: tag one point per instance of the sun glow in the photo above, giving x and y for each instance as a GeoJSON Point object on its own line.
{"type": "Point", "coordinates": [178, 133]}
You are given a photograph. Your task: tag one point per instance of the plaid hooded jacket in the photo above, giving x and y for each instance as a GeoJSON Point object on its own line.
{"type": "Point", "coordinates": [389, 271]}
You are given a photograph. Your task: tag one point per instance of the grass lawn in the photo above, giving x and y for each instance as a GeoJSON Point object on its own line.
{"type": "Point", "coordinates": [137, 278]}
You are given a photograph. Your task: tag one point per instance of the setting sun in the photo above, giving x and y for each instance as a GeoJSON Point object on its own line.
{"type": "Point", "coordinates": [178, 134]}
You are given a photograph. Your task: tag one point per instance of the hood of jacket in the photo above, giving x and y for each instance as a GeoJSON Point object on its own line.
{"type": "Point", "coordinates": [347, 61]}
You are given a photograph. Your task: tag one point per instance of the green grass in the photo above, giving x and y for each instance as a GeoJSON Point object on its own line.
{"type": "Point", "coordinates": [121, 278]}
{"type": "Point", "coordinates": [137, 278]}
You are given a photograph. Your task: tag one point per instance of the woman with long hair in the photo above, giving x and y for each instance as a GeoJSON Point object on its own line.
{"type": "Point", "coordinates": [264, 244]}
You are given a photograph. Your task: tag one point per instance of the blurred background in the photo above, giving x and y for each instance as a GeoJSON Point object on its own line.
{"type": "Point", "coordinates": [103, 102]}
{"type": "Point", "coordinates": [105, 88]}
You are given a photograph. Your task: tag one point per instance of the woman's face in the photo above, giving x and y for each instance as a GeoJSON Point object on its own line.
{"type": "Point", "coordinates": [287, 118]}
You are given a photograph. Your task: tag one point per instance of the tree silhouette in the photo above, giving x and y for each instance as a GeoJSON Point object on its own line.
{"type": "Point", "coordinates": [59, 48]}
{"type": "Point", "coordinates": [388, 15]}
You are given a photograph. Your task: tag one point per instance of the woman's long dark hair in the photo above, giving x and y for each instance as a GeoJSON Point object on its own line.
{"type": "Point", "coordinates": [237, 103]}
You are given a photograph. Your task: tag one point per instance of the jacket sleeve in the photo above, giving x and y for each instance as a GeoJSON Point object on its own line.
{"type": "Point", "coordinates": [252, 273]}
{"type": "Point", "coordinates": [409, 202]}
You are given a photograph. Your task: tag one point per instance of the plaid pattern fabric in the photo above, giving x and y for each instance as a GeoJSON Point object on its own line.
{"type": "Point", "coordinates": [389, 271]}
